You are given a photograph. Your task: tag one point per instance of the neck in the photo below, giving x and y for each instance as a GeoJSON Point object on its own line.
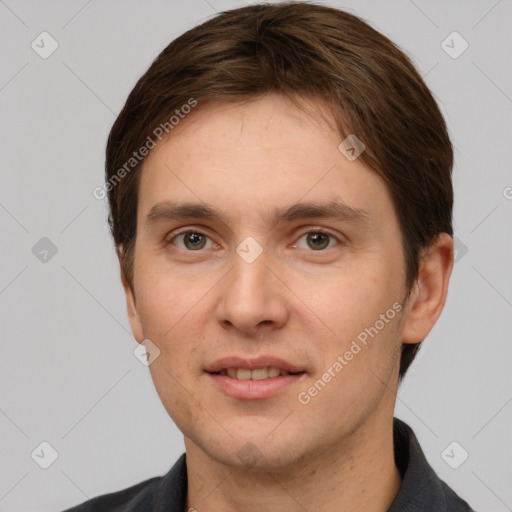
{"type": "Point", "coordinates": [359, 473]}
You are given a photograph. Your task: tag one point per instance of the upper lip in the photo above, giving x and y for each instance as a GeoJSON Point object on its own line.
{"type": "Point", "coordinates": [258, 362]}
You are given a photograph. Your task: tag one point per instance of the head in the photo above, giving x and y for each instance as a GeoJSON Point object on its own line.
{"type": "Point", "coordinates": [244, 114]}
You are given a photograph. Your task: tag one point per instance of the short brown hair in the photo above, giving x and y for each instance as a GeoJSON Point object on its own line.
{"type": "Point", "coordinates": [299, 49]}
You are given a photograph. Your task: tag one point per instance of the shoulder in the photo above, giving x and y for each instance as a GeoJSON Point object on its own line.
{"type": "Point", "coordinates": [136, 497]}
{"type": "Point", "coordinates": [166, 492]}
{"type": "Point", "coordinates": [421, 489]}
{"type": "Point", "coordinates": [454, 502]}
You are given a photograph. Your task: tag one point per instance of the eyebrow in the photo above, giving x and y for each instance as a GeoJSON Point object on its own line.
{"type": "Point", "coordinates": [334, 210]}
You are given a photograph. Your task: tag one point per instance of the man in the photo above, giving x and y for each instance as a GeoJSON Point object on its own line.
{"type": "Point", "coordinates": [281, 199]}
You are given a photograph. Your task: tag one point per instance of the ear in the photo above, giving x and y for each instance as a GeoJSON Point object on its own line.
{"type": "Point", "coordinates": [428, 295]}
{"type": "Point", "coordinates": [131, 307]}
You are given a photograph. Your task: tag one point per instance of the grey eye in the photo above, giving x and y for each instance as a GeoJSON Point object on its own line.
{"type": "Point", "coordinates": [316, 240]}
{"type": "Point", "coordinates": [192, 240]}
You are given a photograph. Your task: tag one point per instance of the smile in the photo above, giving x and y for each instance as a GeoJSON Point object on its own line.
{"type": "Point", "coordinates": [254, 374]}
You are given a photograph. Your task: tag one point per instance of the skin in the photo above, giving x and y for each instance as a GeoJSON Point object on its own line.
{"type": "Point", "coordinates": [297, 302]}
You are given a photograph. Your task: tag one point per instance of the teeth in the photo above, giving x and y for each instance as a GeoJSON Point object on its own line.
{"type": "Point", "coordinates": [259, 374]}
{"type": "Point", "coordinates": [256, 374]}
{"type": "Point", "coordinates": [273, 372]}
{"type": "Point", "coordinates": [243, 374]}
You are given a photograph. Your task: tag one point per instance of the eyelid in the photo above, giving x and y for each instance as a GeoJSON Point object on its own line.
{"type": "Point", "coordinates": [320, 229]}
{"type": "Point", "coordinates": [170, 237]}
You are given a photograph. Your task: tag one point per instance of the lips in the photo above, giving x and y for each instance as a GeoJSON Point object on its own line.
{"type": "Point", "coordinates": [254, 379]}
{"type": "Point", "coordinates": [239, 367]}
{"type": "Point", "coordinates": [255, 374]}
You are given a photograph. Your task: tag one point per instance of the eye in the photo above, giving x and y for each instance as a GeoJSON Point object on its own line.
{"type": "Point", "coordinates": [191, 240]}
{"type": "Point", "coordinates": [316, 240]}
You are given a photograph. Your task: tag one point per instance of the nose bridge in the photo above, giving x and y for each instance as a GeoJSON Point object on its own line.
{"type": "Point", "coordinates": [251, 294]}
{"type": "Point", "coordinates": [248, 280]}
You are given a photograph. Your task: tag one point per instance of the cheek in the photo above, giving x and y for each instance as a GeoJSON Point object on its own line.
{"type": "Point", "coordinates": [171, 311]}
{"type": "Point", "coordinates": [170, 384]}
{"type": "Point", "coordinates": [163, 299]}
{"type": "Point", "coordinates": [353, 295]}
{"type": "Point", "coordinates": [356, 313]}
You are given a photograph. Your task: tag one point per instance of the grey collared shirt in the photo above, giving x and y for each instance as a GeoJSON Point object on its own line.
{"type": "Point", "coordinates": [421, 490]}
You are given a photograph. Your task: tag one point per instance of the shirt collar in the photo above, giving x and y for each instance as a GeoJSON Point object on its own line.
{"type": "Point", "coordinates": [421, 489]}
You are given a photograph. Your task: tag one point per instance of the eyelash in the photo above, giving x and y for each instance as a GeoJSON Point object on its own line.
{"type": "Point", "coordinates": [199, 232]}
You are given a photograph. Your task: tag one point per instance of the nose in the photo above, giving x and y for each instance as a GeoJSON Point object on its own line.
{"type": "Point", "coordinates": [252, 299]}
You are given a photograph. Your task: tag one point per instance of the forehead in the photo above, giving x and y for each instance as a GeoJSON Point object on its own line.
{"type": "Point", "coordinates": [255, 154]}
{"type": "Point", "coordinates": [272, 122]}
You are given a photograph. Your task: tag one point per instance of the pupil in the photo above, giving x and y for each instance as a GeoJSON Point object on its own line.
{"type": "Point", "coordinates": [319, 240]}
{"type": "Point", "coordinates": [195, 240]}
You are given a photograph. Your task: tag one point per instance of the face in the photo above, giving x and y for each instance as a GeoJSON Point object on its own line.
{"type": "Point", "coordinates": [260, 246]}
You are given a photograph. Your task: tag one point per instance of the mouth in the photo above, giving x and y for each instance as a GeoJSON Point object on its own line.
{"type": "Point", "coordinates": [254, 374]}
{"type": "Point", "coordinates": [252, 379]}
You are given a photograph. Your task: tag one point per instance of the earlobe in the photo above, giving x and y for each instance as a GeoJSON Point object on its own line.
{"type": "Point", "coordinates": [131, 306]}
{"type": "Point", "coordinates": [429, 293]}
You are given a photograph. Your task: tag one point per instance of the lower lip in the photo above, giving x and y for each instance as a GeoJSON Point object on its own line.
{"type": "Point", "coordinates": [254, 389]}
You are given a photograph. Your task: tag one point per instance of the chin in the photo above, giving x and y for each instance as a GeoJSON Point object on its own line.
{"type": "Point", "coordinates": [272, 459]}
{"type": "Point", "coordinates": [249, 446]}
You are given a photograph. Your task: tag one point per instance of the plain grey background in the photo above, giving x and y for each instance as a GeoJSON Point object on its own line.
{"type": "Point", "coordinates": [68, 376]}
